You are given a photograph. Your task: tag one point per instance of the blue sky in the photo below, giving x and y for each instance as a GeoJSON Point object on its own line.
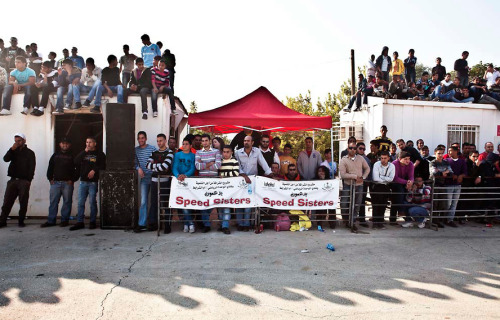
{"type": "Point", "coordinates": [226, 49]}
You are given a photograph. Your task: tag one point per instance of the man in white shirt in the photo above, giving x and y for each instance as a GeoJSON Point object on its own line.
{"type": "Point", "coordinates": [372, 67]}
{"type": "Point", "coordinates": [491, 75]}
{"type": "Point", "coordinates": [249, 159]}
{"type": "Point", "coordinates": [382, 174]}
{"type": "Point", "coordinates": [88, 83]}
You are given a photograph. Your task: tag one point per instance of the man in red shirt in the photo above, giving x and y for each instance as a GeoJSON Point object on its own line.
{"type": "Point", "coordinates": [488, 148]}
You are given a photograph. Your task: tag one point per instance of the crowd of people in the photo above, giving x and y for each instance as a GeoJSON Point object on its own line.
{"type": "Point", "coordinates": [399, 172]}
{"type": "Point", "coordinates": [396, 79]}
{"type": "Point", "coordinates": [29, 73]}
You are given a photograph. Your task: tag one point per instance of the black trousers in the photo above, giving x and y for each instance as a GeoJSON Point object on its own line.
{"type": "Point", "coordinates": [380, 196]}
{"type": "Point", "coordinates": [16, 188]}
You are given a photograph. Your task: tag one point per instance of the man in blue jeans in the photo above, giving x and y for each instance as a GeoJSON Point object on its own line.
{"type": "Point", "coordinates": [21, 79]}
{"type": "Point", "coordinates": [61, 174]}
{"type": "Point", "coordinates": [89, 162]}
{"type": "Point", "coordinates": [110, 83]}
{"type": "Point", "coordinates": [67, 76]}
{"type": "Point", "coordinates": [142, 153]}
{"type": "Point", "coordinates": [419, 201]}
{"type": "Point", "coordinates": [89, 83]}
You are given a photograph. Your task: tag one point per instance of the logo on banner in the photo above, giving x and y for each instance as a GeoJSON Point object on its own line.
{"type": "Point", "coordinates": [182, 184]}
{"type": "Point", "coordinates": [328, 187]}
{"type": "Point", "coordinates": [243, 184]}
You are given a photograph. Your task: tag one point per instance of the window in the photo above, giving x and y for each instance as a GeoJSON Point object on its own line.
{"type": "Point", "coordinates": [462, 133]}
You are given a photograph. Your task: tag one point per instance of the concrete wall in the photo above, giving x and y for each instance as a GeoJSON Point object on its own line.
{"type": "Point", "coordinates": [428, 120]}
{"type": "Point", "coordinates": [39, 133]}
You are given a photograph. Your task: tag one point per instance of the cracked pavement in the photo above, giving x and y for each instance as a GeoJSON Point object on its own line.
{"type": "Point", "coordinates": [387, 274]}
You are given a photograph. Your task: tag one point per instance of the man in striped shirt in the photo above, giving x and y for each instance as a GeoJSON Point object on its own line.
{"type": "Point", "coordinates": [161, 84]}
{"type": "Point", "coordinates": [142, 153]}
{"type": "Point", "coordinates": [160, 163]}
{"type": "Point", "coordinates": [207, 162]}
{"type": "Point", "coordinates": [229, 168]}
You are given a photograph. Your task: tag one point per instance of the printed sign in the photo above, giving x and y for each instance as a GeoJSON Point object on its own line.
{"type": "Point", "coordinates": [316, 194]}
{"type": "Point", "coordinates": [205, 193]}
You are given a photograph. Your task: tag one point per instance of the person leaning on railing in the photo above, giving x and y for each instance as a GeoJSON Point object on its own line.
{"type": "Point", "coordinates": [353, 170]}
{"type": "Point", "coordinates": [403, 182]}
{"type": "Point", "coordinates": [489, 174]}
{"type": "Point", "coordinates": [440, 170]}
{"type": "Point", "coordinates": [383, 174]}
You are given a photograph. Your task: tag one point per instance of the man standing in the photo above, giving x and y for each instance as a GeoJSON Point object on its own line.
{"type": "Point", "coordinates": [372, 67]}
{"type": "Point", "coordinates": [398, 67]}
{"type": "Point", "coordinates": [491, 75]}
{"type": "Point", "coordinates": [462, 69]}
{"type": "Point", "coordinates": [488, 148]}
{"type": "Point", "coordinates": [329, 163]}
{"type": "Point", "coordinates": [238, 140]}
{"type": "Point", "coordinates": [410, 63]}
{"type": "Point", "coordinates": [453, 186]}
{"type": "Point", "coordinates": [383, 173]}
{"type": "Point", "coordinates": [89, 162]}
{"type": "Point", "coordinates": [383, 142]}
{"type": "Point", "coordinates": [9, 54]}
{"type": "Point", "coordinates": [21, 171]}
{"type": "Point", "coordinates": [126, 64]}
{"type": "Point", "coordinates": [308, 161]}
{"type": "Point", "coordinates": [172, 144]}
{"type": "Point", "coordinates": [208, 163]}
{"type": "Point", "coordinates": [286, 159]}
{"type": "Point", "coordinates": [384, 64]}
{"type": "Point", "coordinates": [439, 70]}
{"type": "Point", "coordinates": [440, 170]}
{"type": "Point", "coordinates": [149, 50]}
{"type": "Point", "coordinates": [353, 170]}
{"type": "Point", "coordinates": [160, 163]}
{"type": "Point", "coordinates": [61, 174]}
{"type": "Point", "coordinates": [142, 153]}
{"type": "Point", "coordinates": [277, 146]}
{"type": "Point", "coordinates": [269, 154]}
{"type": "Point", "coordinates": [249, 159]}
{"type": "Point", "coordinates": [402, 182]}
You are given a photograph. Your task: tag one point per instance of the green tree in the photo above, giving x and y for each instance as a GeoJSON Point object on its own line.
{"type": "Point", "coordinates": [478, 70]}
{"type": "Point", "coordinates": [193, 107]}
{"type": "Point", "coordinates": [420, 68]}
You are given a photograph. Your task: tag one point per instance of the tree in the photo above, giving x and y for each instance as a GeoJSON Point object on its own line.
{"type": "Point", "coordinates": [420, 68]}
{"type": "Point", "coordinates": [479, 69]}
{"type": "Point", "coordinates": [193, 108]}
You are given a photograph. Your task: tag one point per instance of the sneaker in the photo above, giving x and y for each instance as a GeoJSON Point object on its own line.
{"type": "Point", "coordinates": [152, 227]}
{"type": "Point", "coordinates": [174, 112]}
{"type": "Point", "coordinates": [407, 225]}
{"type": "Point", "coordinates": [435, 99]}
{"type": "Point", "coordinates": [346, 110]}
{"type": "Point", "coordinates": [64, 224]}
{"type": "Point", "coordinates": [67, 106]}
{"type": "Point", "coordinates": [96, 109]}
{"type": "Point", "coordinates": [77, 226]}
{"type": "Point", "coordinates": [35, 109]}
{"type": "Point", "coordinates": [354, 228]}
{"type": "Point", "coordinates": [452, 224]}
{"type": "Point", "coordinates": [21, 224]}
{"type": "Point", "coordinates": [191, 228]}
{"type": "Point", "coordinates": [421, 225]}
{"type": "Point", "coordinates": [92, 225]}
{"type": "Point", "coordinates": [155, 114]}
{"type": "Point", "coordinates": [206, 229]}
{"type": "Point", "coordinates": [226, 231]}
{"type": "Point", "coordinates": [25, 111]}
{"type": "Point", "coordinates": [86, 103]}
{"type": "Point", "coordinates": [5, 112]}
{"type": "Point", "coordinates": [37, 113]}
{"type": "Point", "coordinates": [57, 112]}
{"type": "Point", "coordinates": [144, 116]}
{"type": "Point", "coordinates": [78, 105]}
{"type": "Point", "coordinates": [46, 225]}
{"type": "Point", "coordinates": [186, 228]}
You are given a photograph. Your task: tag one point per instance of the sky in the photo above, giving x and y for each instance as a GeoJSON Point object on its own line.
{"type": "Point", "coordinates": [226, 49]}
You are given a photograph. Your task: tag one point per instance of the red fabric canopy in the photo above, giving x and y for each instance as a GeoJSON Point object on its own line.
{"type": "Point", "coordinates": [260, 110]}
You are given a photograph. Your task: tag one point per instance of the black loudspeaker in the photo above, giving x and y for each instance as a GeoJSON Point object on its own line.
{"type": "Point", "coordinates": [120, 136]}
{"type": "Point", "coordinates": [119, 200]}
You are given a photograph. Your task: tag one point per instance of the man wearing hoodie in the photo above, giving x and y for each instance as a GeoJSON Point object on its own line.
{"type": "Point", "coordinates": [308, 161]}
{"type": "Point", "coordinates": [384, 63]}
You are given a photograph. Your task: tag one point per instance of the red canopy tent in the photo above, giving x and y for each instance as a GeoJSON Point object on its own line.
{"type": "Point", "coordinates": [260, 111]}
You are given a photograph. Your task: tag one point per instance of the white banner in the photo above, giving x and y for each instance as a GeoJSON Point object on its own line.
{"type": "Point", "coordinates": [205, 193]}
{"type": "Point", "coordinates": [297, 195]}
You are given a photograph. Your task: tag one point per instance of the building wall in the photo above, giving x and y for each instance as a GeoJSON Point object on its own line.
{"type": "Point", "coordinates": [428, 120]}
{"type": "Point", "coordinates": [39, 133]}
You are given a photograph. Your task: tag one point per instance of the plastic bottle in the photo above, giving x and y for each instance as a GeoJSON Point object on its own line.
{"type": "Point", "coordinates": [330, 247]}
{"type": "Point", "coordinates": [249, 188]}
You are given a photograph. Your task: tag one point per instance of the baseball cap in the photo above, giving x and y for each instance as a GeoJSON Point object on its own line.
{"type": "Point", "coordinates": [65, 139]}
{"type": "Point", "coordinates": [20, 135]}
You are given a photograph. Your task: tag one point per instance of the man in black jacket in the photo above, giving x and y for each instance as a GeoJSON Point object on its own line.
{"type": "Point", "coordinates": [21, 171]}
{"type": "Point", "coordinates": [140, 82]}
{"type": "Point", "coordinates": [61, 174]}
{"type": "Point", "coordinates": [88, 163]}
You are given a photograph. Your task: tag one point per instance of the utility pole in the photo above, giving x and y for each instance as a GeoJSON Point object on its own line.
{"type": "Point", "coordinates": [353, 77]}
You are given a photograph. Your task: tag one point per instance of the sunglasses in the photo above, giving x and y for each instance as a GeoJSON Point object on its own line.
{"type": "Point", "coordinates": [352, 148]}
{"type": "Point", "coordinates": [361, 148]}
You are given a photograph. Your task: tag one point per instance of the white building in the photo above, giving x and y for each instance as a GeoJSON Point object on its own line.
{"type": "Point", "coordinates": [42, 134]}
{"type": "Point", "coordinates": [434, 122]}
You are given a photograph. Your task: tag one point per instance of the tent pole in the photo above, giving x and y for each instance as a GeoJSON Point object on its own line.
{"type": "Point", "coordinates": [313, 140]}
{"type": "Point", "coordinates": [331, 144]}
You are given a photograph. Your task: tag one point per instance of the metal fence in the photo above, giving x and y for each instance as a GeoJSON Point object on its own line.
{"type": "Point", "coordinates": [358, 205]}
